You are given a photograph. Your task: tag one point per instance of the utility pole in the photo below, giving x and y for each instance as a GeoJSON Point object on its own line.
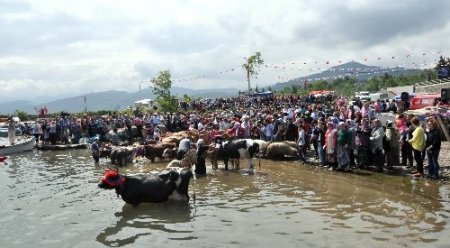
{"type": "Point", "coordinates": [85, 105]}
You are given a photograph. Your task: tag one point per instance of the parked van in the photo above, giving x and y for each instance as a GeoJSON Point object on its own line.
{"type": "Point", "coordinates": [425, 100]}
{"type": "Point", "coordinates": [379, 96]}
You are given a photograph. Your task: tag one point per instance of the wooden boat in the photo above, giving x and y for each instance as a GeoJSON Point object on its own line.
{"type": "Point", "coordinates": [62, 147]}
{"type": "Point", "coordinates": [22, 145]}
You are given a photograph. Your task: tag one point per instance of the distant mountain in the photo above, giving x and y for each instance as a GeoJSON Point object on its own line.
{"type": "Point", "coordinates": [108, 100]}
{"type": "Point", "coordinates": [351, 69]}
{"type": "Point", "coordinates": [11, 106]}
{"type": "Point", "coordinates": [112, 100]}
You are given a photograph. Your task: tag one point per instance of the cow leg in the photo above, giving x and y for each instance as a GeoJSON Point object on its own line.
{"type": "Point", "coordinates": [225, 161]}
{"type": "Point", "coordinates": [250, 166]}
{"type": "Point", "coordinates": [121, 160]}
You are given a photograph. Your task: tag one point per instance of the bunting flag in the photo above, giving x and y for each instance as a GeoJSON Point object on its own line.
{"type": "Point", "coordinates": [303, 65]}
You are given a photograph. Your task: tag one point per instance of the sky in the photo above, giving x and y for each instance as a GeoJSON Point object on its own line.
{"type": "Point", "coordinates": [54, 49]}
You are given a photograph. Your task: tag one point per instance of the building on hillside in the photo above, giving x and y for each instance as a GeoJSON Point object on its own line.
{"type": "Point", "coordinates": [149, 103]}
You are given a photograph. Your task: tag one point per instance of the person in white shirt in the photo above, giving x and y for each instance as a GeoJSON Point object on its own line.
{"type": "Point", "coordinates": [200, 126]}
{"type": "Point", "coordinates": [37, 130]}
{"type": "Point", "coordinates": [301, 142]}
{"type": "Point", "coordinates": [268, 131]}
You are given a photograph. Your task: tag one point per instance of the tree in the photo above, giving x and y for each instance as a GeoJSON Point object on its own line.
{"type": "Point", "coordinates": [187, 98]}
{"type": "Point", "coordinates": [23, 116]}
{"type": "Point", "coordinates": [161, 88]}
{"type": "Point", "coordinates": [294, 89]}
{"type": "Point", "coordinates": [320, 85]}
{"type": "Point", "coordinates": [253, 62]}
{"type": "Point", "coordinates": [442, 62]}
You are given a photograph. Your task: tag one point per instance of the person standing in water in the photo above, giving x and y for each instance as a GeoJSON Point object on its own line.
{"type": "Point", "coordinates": [11, 132]}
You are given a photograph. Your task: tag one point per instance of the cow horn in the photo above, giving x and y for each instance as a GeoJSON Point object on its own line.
{"type": "Point", "coordinates": [116, 169]}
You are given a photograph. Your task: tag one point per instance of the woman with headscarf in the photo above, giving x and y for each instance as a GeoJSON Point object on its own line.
{"type": "Point", "coordinates": [330, 144]}
{"type": "Point", "coordinates": [376, 145]}
{"type": "Point", "coordinates": [392, 145]}
{"type": "Point", "coordinates": [320, 129]}
{"type": "Point", "coordinates": [362, 142]}
{"type": "Point", "coordinates": [344, 139]}
{"type": "Point", "coordinates": [365, 110]}
{"type": "Point", "coordinates": [200, 167]}
{"type": "Point", "coordinates": [343, 113]}
{"type": "Point", "coordinates": [352, 148]}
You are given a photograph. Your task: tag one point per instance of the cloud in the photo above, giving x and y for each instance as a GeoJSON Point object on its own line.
{"type": "Point", "coordinates": [179, 39]}
{"type": "Point", "coordinates": [73, 47]}
{"type": "Point", "coordinates": [367, 25]}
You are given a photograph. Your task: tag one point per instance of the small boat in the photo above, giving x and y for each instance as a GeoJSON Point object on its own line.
{"type": "Point", "coordinates": [22, 145]}
{"type": "Point", "coordinates": [3, 158]}
{"type": "Point", "coordinates": [4, 132]}
{"type": "Point", "coordinates": [62, 147]}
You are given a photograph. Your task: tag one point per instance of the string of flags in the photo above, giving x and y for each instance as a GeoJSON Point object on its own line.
{"type": "Point", "coordinates": [343, 75]}
{"type": "Point", "coordinates": [417, 60]}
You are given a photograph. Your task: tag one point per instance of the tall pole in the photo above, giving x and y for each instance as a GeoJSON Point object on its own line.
{"type": "Point", "coordinates": [85, 105]}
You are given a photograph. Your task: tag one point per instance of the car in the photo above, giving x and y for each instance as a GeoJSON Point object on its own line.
{"type": "Point", "coordinates": [424, 100]}
{"type": "Point", "coordinates": [363, 95]}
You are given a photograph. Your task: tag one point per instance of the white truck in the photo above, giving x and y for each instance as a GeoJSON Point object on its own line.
{"type": "Point", "coordinates": [363, 95]}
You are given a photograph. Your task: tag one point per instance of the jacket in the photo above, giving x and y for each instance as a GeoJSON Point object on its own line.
{"type": "Point", "coordinates": [418, 139]}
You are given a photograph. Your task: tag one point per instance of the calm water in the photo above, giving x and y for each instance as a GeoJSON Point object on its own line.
{"type": "Point", "coordinates": [51, 199]}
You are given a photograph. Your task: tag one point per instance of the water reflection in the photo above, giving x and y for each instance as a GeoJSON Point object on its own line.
{"type": "Point", "coordinates": [53, 196]}
{"type": "Point", "coordinates": [147, 219]}
{"type": "Point", "coordinates": [387, 207]}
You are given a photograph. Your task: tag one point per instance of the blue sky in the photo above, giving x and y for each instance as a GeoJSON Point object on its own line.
{"type": "Point", "coordinates": [68, 48]}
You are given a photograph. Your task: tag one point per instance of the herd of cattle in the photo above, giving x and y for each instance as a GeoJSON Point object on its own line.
{"type": "Point", "coordinates": [173, 183]}
{"type": "Point", "coordinates": [220, 148]}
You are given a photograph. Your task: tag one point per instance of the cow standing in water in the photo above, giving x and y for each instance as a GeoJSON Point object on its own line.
{"type": "Point", "coordinates": [238, 149]}
{"type": "Point", "coordinates": [148, 188]}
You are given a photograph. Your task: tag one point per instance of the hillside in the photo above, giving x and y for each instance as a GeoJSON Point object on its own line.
{"type": "Point", "coordinates": [108, 100]}
{"type": "Point", "coordinates": [359, 71]}
{"type": "Point", "coordinates": [114, 100]}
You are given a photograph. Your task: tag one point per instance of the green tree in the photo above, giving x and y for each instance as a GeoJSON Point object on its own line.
{"type": "Point", "coordinates": [23, 116]}
{"type": "Point", "coordinates": [187, 98]}
{"type": "Point", "coordinates": [442, 62]}
{"type": "Point", "coordinates": [320, 85]}
{"type": "Point", "coordinates": [161, 88]}
{"type": "Point", "coordinates": [252, 64]}
{"type": "Point", "coordinates": [294, 89]}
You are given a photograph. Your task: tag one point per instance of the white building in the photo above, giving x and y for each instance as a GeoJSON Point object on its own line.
{"type": "Point", "coordinates": [149, 103]}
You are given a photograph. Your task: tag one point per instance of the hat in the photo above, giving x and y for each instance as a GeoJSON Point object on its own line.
{"type": "Point", "coordinates": [389, 123]}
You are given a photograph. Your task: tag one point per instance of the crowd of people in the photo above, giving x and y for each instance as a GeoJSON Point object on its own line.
{"type": "Point", "coordinates": [337, 133]}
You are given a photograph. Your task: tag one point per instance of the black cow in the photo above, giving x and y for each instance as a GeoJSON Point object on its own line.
{"type": "Point", "coordinates": [148, 188]}
{"type": "Point", "coordinates": [237, 149]}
